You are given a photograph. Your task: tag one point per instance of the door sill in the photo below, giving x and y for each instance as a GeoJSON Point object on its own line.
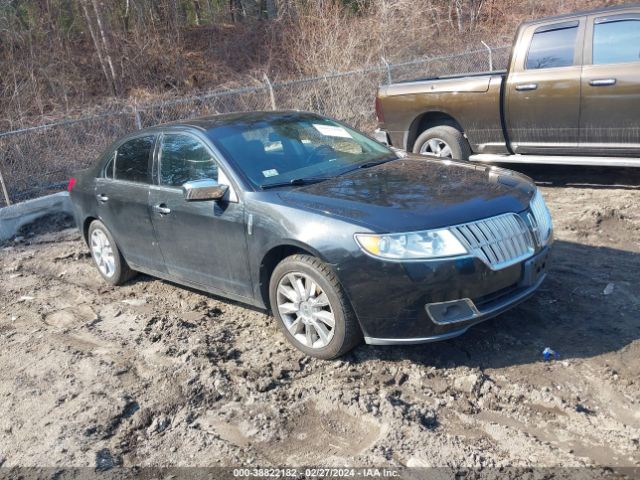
{"type": "Point", "coordinates": [197, 286]}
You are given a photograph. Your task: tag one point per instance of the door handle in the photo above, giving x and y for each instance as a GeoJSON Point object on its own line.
{"type": "Point", "coordinates": [602, 82]}
{"type": "Point", "coordinates": [162, 209]}
{"type": "Point", "coordinates": [523, 87]}
{"type": "Point", "coordinates": [102, 198]}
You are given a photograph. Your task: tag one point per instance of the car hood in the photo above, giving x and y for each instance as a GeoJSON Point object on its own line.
{"type": "Point", "coordinates": [415, 193]}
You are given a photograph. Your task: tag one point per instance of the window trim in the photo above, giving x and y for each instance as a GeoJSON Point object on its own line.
{"type": "Point", "coordinates": [552, 28]}
{"type": "Point", "coordinates": [603, 20]}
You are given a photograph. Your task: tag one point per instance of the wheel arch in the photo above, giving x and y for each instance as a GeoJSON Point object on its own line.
{"type": "Point", "coordinates": [85, 227]}
{"type": "Point", "coordinates": [428, 120]}
{"type": "Point", "coordinates": [275, 255]}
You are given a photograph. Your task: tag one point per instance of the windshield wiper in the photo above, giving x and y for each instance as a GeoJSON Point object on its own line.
{"type": "Point", "coordinates": [294, 181]}
{"type": "Point", "coordinates": [380, 161]}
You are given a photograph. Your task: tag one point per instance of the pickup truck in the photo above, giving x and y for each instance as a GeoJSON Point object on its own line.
{"type": "Point", "coordinates": [570, 95]}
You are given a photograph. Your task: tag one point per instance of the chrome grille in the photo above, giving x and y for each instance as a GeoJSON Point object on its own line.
{"type": "Point", "coordinates": [497, 241]}
{"type": "Point", "coordinates": [541, 219]}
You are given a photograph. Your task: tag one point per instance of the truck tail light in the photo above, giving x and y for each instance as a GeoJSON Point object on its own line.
{"type": "Point", "coordinates": [379, 114]}
{"type": "Point", "coordinates": [72, 182]}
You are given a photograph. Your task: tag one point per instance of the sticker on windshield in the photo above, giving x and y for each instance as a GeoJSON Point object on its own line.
{"type": "Point", "coordinates": [332, 130]}
{"type": "Point", "coordinates": [270, 173]}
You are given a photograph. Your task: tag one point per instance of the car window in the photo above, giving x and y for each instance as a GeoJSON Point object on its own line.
{"type": "Point", "coordinates": [279, 148]}
{"type": "Point", "coordinates": [132, 160]}
{"type": "Point", "coordinates": [183, 159]}
{"type": "Point", "coordinates": [552, 48]}
{"type": "Point", "coordinates": [616, 42]}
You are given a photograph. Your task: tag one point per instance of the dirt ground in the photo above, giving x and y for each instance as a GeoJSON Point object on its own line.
{"type": "Point", "coordinates": [154, 374]}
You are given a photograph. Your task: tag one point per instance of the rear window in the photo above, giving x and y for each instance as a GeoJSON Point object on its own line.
{"type": "Point", "coordinates": [132, 160]}
{"type": "Point", "coordinates": [616, 42]}
{"type": "Point", "coordinates": [552, 48]}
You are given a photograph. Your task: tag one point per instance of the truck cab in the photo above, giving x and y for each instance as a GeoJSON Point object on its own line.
{"type": "Point", "coordinates": [572, 89]}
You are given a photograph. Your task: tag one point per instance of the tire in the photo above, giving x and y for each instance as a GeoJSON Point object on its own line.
{"type": "Point", "coordinates": [450, 136]}
{"type": "Point", "coordinates": [312, 313]}
{"type": "Point", "coordinates": [112, 267]}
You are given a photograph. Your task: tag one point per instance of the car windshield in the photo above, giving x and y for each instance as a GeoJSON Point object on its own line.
{"type": "Point", "coordinates": [277, 149]}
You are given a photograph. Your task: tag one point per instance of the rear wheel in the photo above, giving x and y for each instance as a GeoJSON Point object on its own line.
{"type": "Point", "coordinates": [104, 251]}
{"type": "Point", "coordinates": [444, 142]}
{"type": "Point", "coordinates": [311, 308]}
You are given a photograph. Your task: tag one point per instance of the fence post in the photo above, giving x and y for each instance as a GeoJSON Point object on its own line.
{"type": "Point", "coordinates": [137, 114]}
{"type": "Point", "coordinates": [388, 68]}
{"type": "Point", "coordinates": [4, 190]}
{"type": "Point", "coordinates": [272, 97]}
{"type": "Point", "coordinates": [490, 55]}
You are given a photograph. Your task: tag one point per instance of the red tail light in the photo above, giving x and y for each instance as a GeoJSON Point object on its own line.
{"type": "Point", "coordinates": [72, 182]}
{"type": "Point", "coordinates": [379, 114]}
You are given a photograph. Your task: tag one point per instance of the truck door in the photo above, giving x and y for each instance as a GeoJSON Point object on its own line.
{"type": "Point", "coordinates": [543, 89]}
{"type": "Point", "coordinates": [610, 106]}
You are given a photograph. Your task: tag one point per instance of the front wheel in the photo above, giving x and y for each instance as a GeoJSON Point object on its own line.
{"type": "Point", "coordinates": [444, 142]}
{"type": "Point", "coordinates": [311, 308]}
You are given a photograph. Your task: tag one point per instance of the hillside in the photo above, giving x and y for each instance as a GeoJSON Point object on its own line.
{"type": "Point", "coordinates": [59, 57]}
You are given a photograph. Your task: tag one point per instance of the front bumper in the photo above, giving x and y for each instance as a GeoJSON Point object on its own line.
{"type": "Point", "coordinates": [479, 315]}
{"type": "Point", "coordinates": [410, 303]}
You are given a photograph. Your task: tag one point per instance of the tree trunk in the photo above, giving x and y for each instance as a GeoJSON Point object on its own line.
{"type": "Point", "coordinates": [96, 45]}
{"type": "Point", "coordinates": [105, 43]}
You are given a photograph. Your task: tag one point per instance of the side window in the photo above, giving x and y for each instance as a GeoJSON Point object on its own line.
{"type": "Point", "coordinates": [132, 160]}
{"type": "Point", "coordinates": [616, 42]}
{"type": "Point", "coordinates": [552, 47]}
{"type": "Point", "coordinates": [183, 159]}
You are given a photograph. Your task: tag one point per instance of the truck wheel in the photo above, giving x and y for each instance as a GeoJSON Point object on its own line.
{"type": "Point", "coordinates": [110, 262]}
{"type": "Point", "coordinates": [311, 308]}
{"type": "Point", "coordinates": [443, 141]}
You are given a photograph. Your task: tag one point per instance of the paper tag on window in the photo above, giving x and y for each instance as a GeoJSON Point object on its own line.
{"type": "Point", "coordinates": [270, 173]}
{"type": "Point", "coordinates": [332, 130]}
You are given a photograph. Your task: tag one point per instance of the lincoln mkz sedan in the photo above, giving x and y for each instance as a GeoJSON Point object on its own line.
{"type": "Point", "coordinates": [342, 238]}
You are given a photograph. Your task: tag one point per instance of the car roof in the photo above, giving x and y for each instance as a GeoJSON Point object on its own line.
{"type": "Point", "coordinates": [610, 9]}
{"type": "Point", "coordinates": [212, 121]}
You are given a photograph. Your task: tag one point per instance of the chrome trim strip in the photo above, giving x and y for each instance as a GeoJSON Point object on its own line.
{"type": "Point", "coordinates": [413, 341]}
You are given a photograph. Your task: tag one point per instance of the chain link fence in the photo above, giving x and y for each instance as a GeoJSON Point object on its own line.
{"type": "Point", "coordinates": [39, 160]}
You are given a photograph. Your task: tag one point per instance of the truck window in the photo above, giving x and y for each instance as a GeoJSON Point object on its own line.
{"type": "Point", "coordinates": [552, 47]}
{"type": "Point", "coordinates": [616, 42]}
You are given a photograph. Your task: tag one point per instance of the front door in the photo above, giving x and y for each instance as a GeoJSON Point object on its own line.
{"type": "Point", "coordinates": [202, 242]}
{"type": "Point", "coordinates": [611, 86]}
{"type": "Point", "coordinates": [543, 90]}
{"type": "Point", "coordinates": [122, 195]}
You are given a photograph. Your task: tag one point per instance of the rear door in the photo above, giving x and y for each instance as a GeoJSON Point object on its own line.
{"type": "Point", "coordinates": [609, 121]}
{"type": "Point", "coordinates": [202, 242]}
{"type": "Point", "coordinates": [122, 194]}
{"type": "Point", "coordinates": [543, 88]}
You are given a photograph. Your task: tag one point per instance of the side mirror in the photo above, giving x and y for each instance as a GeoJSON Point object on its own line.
{"type": "Point", "coordinates": [205, 189]}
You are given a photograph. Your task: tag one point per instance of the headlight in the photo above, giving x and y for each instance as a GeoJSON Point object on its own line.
{"type": "Point", "coordinates": [412, 246]}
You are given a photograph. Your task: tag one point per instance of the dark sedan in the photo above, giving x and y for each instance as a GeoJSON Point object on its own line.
{"type": "Point", "coordinates": [339, 236]}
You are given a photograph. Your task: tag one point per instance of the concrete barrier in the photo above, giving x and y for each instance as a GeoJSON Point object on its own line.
{"type": "Point", "coordinates": [15, 216]}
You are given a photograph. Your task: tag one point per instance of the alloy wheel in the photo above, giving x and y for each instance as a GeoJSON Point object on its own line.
{"type": "Point", "coordinates": [436, 147]}
{"type": "Point", "coordinates": [102, 252]}
{"type": "Point", "coordinates": [305, 310]}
